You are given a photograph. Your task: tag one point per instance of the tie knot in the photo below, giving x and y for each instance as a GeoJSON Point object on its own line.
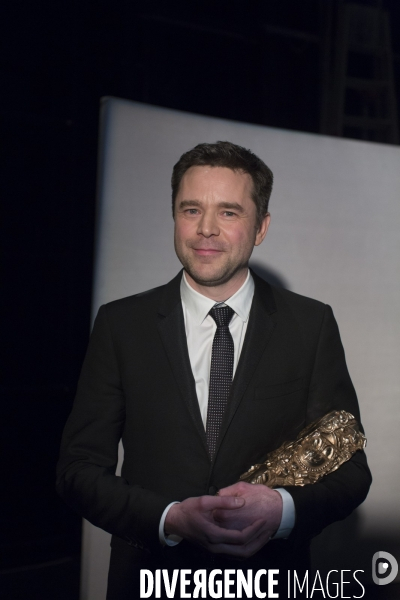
{"type": "Point", "coordinates": [222, 315]}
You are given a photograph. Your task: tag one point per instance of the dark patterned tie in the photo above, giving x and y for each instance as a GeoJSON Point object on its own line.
{"type": "Point", "coordinates": [220, 374]}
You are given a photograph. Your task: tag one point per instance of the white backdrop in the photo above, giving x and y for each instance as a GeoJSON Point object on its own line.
{"type": "Point", "coordinates": [334, 236]}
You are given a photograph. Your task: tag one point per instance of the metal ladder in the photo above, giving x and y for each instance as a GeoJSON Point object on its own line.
{"type": "Point", "coordinates": [362, 102]}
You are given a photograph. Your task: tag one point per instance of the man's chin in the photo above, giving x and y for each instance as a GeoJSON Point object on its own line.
{"type": "Point", "coordinates": [211, 279]}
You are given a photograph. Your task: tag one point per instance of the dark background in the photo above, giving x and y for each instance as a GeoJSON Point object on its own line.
{"type": "Point", "coordinates": [261, 61]}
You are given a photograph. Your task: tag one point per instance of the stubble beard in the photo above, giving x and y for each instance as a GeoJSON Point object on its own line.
{"type": "Point", "coordinates": [221, 275]}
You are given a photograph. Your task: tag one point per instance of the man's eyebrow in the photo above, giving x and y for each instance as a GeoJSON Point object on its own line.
{"type": "Point", "coordinates": [185, 203]}
{"type": "Point", "coordinates": [233, 205]}
{"type": "Point", "coordinates": [227, 205]}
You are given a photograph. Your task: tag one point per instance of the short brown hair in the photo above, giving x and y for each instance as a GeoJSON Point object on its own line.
{"type": "Point", "coordinates": [231, 156]}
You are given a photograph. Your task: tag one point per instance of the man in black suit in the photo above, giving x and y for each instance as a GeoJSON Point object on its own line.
{"type": "Point", "coordinates": [154, 376]}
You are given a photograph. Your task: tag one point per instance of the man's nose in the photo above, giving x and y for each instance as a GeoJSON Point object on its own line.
{"type": "Point", "coordinates": [208, 225]}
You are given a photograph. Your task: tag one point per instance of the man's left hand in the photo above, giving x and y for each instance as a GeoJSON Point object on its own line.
{"type": "Point", "coordinates": [261, 504]}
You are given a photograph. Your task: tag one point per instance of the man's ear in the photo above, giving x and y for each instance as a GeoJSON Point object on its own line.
{"type": "Point", "coordinates": [262, 230]}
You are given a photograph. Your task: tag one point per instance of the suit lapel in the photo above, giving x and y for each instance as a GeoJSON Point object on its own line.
{"type": "Point", "coordinates": [258, 334]}
{"type": "Point", "coordinates": [171, 327]}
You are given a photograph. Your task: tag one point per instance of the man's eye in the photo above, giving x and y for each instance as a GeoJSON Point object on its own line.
{"type": "Point", "coordinates": [229, 213]}
{"type": "Point", "coordinates": [191, 211]}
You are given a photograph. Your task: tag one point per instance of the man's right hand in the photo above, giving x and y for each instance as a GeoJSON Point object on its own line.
{"type": "Point", "coordinates": [193, 520]}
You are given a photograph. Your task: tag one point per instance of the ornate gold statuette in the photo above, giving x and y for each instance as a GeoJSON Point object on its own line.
{"type": "Point", "coordinates": [319, 449]}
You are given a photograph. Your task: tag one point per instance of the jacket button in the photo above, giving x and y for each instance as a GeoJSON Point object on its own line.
{"type": "Point", "coordinates": [212, 490]}
{"type": "Point", "coordinates": [135, 543]}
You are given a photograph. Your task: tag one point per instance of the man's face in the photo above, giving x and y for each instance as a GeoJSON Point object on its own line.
{"type": "Point", "coordinates": [215, 224]}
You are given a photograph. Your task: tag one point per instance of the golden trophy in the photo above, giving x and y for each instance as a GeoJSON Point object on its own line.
{"type": "Point", "coordinates": [319, 449]}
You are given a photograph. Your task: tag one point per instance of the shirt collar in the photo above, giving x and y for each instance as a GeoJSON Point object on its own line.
{"type": "Point", "coordinates": [199, 306]}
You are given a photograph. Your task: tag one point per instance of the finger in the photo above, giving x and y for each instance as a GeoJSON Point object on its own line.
{"type": "Point", "coordinates": [221, 514]}
{"type": "Point", "coordinates": [245, 551]}
{"type": "Point", "coordinates": [253, 531]}
{"type": "Point", "coordinates": [218, 502]}
{"type": "Point", "coordinates": [231, 519]}
{"type": "Point", "coordinates": [215, 535]}
{"type": "Point", "coordinates": [237, 489]}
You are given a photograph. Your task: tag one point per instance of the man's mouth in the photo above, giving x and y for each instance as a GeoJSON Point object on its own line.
{"type": "Point", "coordinates": [207, 251]}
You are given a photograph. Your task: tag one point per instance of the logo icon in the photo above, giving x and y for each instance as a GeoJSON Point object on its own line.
{"type": "Point", "coordinates": [384, 568]}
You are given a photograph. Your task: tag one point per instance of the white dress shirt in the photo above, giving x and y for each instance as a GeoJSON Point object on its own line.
{"type": "Point", "coordinates": [200, 330]}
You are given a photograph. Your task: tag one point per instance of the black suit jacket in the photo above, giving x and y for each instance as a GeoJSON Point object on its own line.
{"type": "Point", "coordinates": [136, 383]}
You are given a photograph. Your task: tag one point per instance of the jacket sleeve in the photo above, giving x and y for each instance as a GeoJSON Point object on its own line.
{"type": "Point", "coordinates": [336, 495]}
{"type": "Point", "coordinates": [86, 477]}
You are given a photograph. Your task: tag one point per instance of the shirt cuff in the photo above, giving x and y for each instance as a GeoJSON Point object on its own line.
{"type": "Point", "coordinates": [288, 515]}
{"type": "Point", "coordinates": [167, 540]}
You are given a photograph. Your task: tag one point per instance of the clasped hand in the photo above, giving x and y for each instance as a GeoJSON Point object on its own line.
{"type": "Point", "coordinates": [238, 522]}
